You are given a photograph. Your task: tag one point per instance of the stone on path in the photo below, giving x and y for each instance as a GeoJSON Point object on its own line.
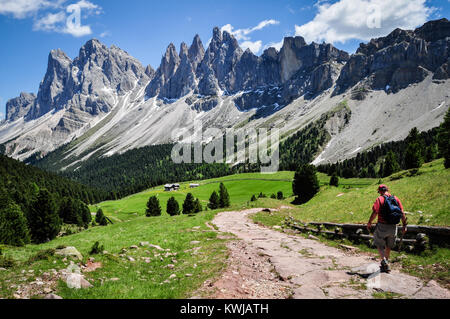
{"type": "Point", "coordinates": [365, 270]}
{"type": "Point", "coordinates": [395, 282]}
{"type": "Point", "coordinates": [350, 248]}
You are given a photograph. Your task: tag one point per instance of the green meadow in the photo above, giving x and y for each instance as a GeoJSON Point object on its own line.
{"type": "Point", "coordinates": [192, 251]}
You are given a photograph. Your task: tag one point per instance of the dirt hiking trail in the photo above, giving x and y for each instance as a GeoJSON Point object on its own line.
{"type": "Point", "coordinates": [268, 264]}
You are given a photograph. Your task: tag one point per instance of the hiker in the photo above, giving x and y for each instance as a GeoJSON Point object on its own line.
{"type": "Point", "coordinates": [389, 210]}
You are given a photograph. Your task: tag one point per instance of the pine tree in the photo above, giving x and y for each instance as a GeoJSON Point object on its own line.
{"type": "Point", "coordinates": [43, 219]}
{"type": "Point", "coordinates": [189, 204]}
{"type": "Point", "coordinates": [413, 157]}
{"type": "Point", "coordinates": [214, 201]}
{"type": "Point", "coordinates": [253, 199]}
{"type": "Point", "coordinates": [334, 180]}
{"type": "Point", "coordinates": [431, 153]}
{"type": "Point", "coordinates": [85, 213]}
{"type": "Point", "coordinates": [413, 153]}
{"type": "Point", "coordinates": [13, 225]}
{"type": "Point", "coordinates": [305, 184]}
{"type": "Point", "coordinates": [69, 212]}
{"type": "Point", "coordinates": [173, 208]}
{"type": "Point", "coordinates": [280, 195]}
{"type": "Point", "coordinates": [390, 164]}
{"type": "Point", "coordinates": [444, 140]}
{"type": "Point", "coordinates": [153, 207]}
{"type": "Point", "coordinates": [371, 171]}
{"type": "Point", "coordinates": [100, 218]}
{"type": "Point", "coordinates": [224, 198]}
{"type": "Point", "coordinates": [197, 206]}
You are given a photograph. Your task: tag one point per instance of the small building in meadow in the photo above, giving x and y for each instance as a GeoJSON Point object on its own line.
{"type": "Point", "coordinates": [171, 187]}
{"type": "Point", "coordinates": [194, 185]}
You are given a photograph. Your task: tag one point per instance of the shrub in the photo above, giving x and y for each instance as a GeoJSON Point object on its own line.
{"type": "Point", "coordinates": [100, 218]}
{"type": "Point", "coordinates": [273, 196]}
{"type": "Point", "coordinates": [280, 195]}
{"type": "Point", "coordinates": [13, 226]}
{"type": "Point", "coordinates": [334, 180]}
{"type": "Point", "coordinates": [96, 249]}
{"type": "Point", "coordinates": [42, 255]}
{"type": "Point", "coordinates": [6, 262]}
{"type": "Point", "coordinates": [153, 207]}
{"type": "Point", "coordinates": [254, 199]}
{"type": "Point", "coordinates": [173, 208]}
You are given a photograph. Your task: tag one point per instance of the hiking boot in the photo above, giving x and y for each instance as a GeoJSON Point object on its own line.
{"type": "Point", "coordinates": [385, 266]}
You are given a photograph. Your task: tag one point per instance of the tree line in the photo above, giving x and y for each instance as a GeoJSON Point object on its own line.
{"type": "Point", "coordinates": [34, 204]}
{"type": "Point", "coordinates": [388, 158]}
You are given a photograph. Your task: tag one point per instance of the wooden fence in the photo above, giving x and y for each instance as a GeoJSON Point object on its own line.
{"type": "Point", "coordinates": [416, 238]}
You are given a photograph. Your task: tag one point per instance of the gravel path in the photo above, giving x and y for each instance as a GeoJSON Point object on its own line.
{"type": "Point", "coordinates": [266, 263]}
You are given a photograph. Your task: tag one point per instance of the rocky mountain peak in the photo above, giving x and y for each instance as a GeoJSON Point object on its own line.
{"type": "Point", "coordinates": [184, 51]}
{"type": "Point", "coordinates": [270, 53]}
{"type": "Point", "coordinates": [402, 58]}
{"type": "Point", "coordinates": [19, 106]}
{"type": "Point", "coordinates": [92, 50]}
{"type": "Point", "coordinates": [217, 35]}
{"type": "Point", "coordinates": [149, 71]}
{"type": "Point", "coordinates": [434, 30]}
{"type": "Point", "coordinates": [196, 52]}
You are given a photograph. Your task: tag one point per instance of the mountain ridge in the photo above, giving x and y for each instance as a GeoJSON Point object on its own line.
{"type": "Point", "coordinates": [115, 103]}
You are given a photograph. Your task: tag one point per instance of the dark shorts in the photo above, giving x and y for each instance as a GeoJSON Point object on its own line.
{"type": "Point", "coordinates": [385, 236]}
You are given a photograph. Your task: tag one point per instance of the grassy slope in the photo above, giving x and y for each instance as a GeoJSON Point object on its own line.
{"type": "Point", "coordinates": [428, 192]}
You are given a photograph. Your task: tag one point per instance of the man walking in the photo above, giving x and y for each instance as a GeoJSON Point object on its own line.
{"type": "Point", "coordinates": [389, 210]}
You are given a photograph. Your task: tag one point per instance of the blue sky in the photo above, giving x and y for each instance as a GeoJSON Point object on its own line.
{"type": "Point", "coordinates": [29, 29]}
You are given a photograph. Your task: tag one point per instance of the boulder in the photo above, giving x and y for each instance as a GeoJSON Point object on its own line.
{"type": "Point", "coordinates": [77, 281]}
{"type": "Point", "coordinates": [69, 252]}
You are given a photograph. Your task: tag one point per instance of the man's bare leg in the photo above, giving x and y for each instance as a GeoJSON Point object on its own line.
{"type": "Point", "coordinates": [382, 253]}
{"type": "Point", "coordinates": [387, 253]}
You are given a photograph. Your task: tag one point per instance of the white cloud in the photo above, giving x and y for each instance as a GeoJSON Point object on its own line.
{"type": "Point", "coordinates": [362, 19]}
{"type": "Point", "coordinates": [23, 8]}
{"type": "Point", "coordinates": [105, 34]}
{"type": "Point", "coordinates": [253, 46]}
{"type": "Point", "coordinates": [243, 34]}
{"type": "Point", "coordinates": [276, 45]}
{"type": "Point", "coordinates": [49, 22]}
{"type": "Point", "coordinates": [68, 22]}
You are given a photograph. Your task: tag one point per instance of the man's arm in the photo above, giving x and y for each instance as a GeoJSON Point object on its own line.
{"type": "Point", "coordinates": [404, 219]}
{"type": "Point", "coordinates": [371, 219]}
{"type": "Point", "coordinates": [375, 210]}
